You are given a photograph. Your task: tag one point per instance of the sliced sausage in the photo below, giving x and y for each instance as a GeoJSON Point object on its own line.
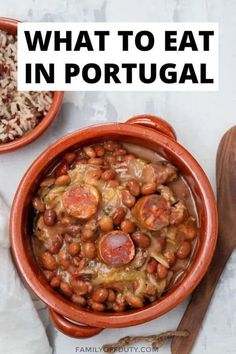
{"type": "Point", "coordinates": [152, 212]}
{"type": "Point", "coordinates": [116, 248]}
{"type": "Point", "coordinates": [81, 201]}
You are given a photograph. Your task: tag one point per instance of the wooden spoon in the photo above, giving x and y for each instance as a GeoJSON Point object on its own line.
{"type": "Point", "coordinates": [226, 201]}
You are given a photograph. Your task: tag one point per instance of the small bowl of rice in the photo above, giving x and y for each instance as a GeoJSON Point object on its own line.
{"type": "Point", "coordinates": [24, 115]}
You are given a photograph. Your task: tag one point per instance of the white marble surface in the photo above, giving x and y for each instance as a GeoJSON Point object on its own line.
{"type": "Point", "coordinates": [200, 119]}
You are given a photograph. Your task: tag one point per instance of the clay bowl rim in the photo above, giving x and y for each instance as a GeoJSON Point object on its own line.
{"type": "Point", "coordinates": [190, 168]}
{"type": "Point", "coordinates": [10, 25]}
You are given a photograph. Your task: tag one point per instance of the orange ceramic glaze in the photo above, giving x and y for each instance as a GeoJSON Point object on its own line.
{"type": "Point", "coordinates": [10, 25]}
{"type": "Point", "coordinates": [147, 131]}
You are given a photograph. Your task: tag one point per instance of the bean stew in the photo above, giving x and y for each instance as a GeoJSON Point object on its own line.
{"type": "Point", "coordinates": [115, 226]}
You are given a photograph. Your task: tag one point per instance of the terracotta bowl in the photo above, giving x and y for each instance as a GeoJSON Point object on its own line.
{"type": "Point", "coordinates": [10, 25]}
{"type": "Point", "coordinates": [148, 131]}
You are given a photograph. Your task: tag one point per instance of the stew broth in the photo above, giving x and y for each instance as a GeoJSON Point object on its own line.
{"type": "Point", "coordinates": [115, 226]}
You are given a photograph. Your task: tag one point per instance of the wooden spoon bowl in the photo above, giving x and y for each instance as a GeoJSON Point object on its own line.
{"type": "Point", "coordinates": [226, 202]}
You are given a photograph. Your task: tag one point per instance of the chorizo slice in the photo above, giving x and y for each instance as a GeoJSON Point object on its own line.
{"type": "Point", "coordinates": [81, 201]}
{"type": "Point", "coordinates": [116, 248]}
{"type": "Point", "coordinates": [152, 212]}
{"type": "Point", "coordinates": [160, 173]}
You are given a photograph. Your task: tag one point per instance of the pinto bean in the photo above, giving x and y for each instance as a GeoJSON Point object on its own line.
{"type": "Point", "coordinates": [161, 271]}
{"type": "Point", "coordinates": [152, 266]}
{"type": "Point", "coordinates": [91, 224]}
{"type": "Point", "coordinates": [89, 151]}
{"type": "Point", "coordinates": [141, 239]}
{"type": "Point", "coordinates": [106, 223]}
{"type": "Point", "coordinates": [100, 151]}
{"type": "Point", "coordinates": [49, 217]}
{"type": "Point", "coordinates": [89, 231]}
{"type": "Point", "coordinates": [55, 245]}
{"type": "Point", "coordinates": [70, 157]}
{"type": "Point", "coordinates": [62, 180]}
{"type": "Point", "coordinates": [89, 250]}
{"type": "Point", "coordinates": [171, 258]}
{"type": "Point", "coordinates": [97, 161]}
{"type": "Point", "coordinates": [160, 242]}
{"type": "Point", "coordinates": [48, 261]}
{"type": "Point", "coordinates": [111, 295]}
{"type": "Point", "coordinates": [149, 188]}
{"type": "Point", "coordinates": [118, 307]}
{"type": "Point", "coordinates": [78, 300]}
{"type": "Point", "coordinates": [55, 282]}
{"type": "Point", "coordinates": [38, 205]}
{"type": "Point", "coordinates": [127, 226]}
{"type": "Point", "coordinates": [79, 286]}
{"type": "Point", "coordinates": [127, 198]}
{"type": "Point", "coordinates": [97, 306]}
{"type": "Point", "coordinates": [184, 250]}
{"type": "Point", "coordinates": [88, 235]}
{"type": "Point", "coordinates": [100, 295]}
{"type": "Point", "coordinates": [66, 289]}
{"type": "Point", "coordinates": [74, 248]}
{"type": "Point", "coordinates": [118, 216]}
{"type": "Point", "coordinates": [72, 269]}
{"type": "Point", "coordinates": [64, 258]}
{"type": "Point", "coordinates": [133, 301]}
{"type": "Point", "coordinates": [108, 175]}
{"type": "Point", "coordinates": [134, 187]}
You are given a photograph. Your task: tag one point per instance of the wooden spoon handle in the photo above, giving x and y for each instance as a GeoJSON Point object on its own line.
{"type": "Point", "coordinates": [201, 297]}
